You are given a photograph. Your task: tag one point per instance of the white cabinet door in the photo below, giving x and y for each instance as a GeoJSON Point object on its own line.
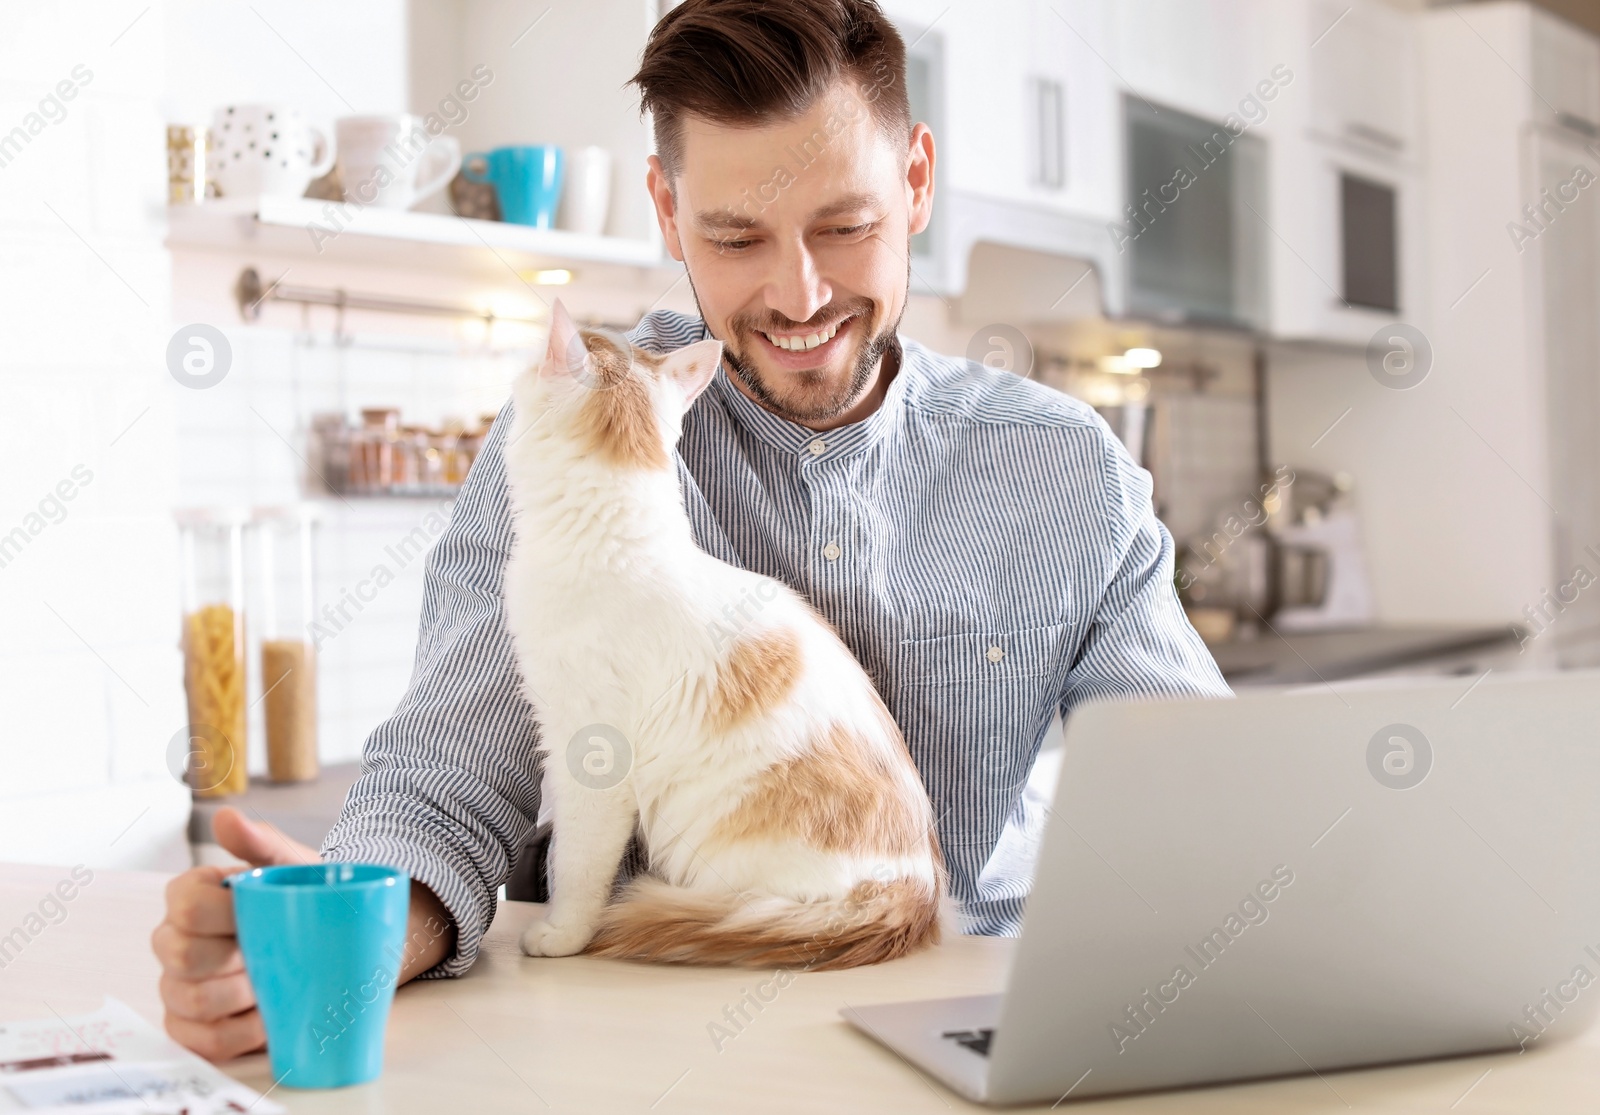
{"type": "Point", "coordinates": [1200, 56]}
{"type": "Point", "coordinates": [1074, 120]}
{"type": "Point", "coordinates": [986, 110]}
{"type": "Point", "coordinates": [1364, 65]}
{"type": "Point", "coordinates": [1566, 73]}
{"type": "Point", "coordinates": [1028, 109]}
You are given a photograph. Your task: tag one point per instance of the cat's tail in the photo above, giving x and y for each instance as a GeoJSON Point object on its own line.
{"type": "Point", "coordinates": [654, 920]}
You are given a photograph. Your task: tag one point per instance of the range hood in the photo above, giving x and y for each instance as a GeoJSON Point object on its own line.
{"type": "Point", "coordinates": [1008, 261]}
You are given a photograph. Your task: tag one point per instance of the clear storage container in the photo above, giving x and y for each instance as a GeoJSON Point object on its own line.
{"type": "Point", "coordinates": [211, 553]}
{"type": "Point", "coordinates": [285, 606]}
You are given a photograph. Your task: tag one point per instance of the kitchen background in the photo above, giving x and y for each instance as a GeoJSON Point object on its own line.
{"type": "Point", "coordinates": [1331, 269]}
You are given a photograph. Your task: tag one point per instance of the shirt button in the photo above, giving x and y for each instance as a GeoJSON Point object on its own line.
{"type": "Point", "coordinates": [831, 551]}
{"type": "Point", "coordinates": [994, 654]}
{"type": "Point", "coordinates": [818, 447]}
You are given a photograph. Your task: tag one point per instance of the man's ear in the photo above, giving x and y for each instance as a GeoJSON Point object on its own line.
{"type": "Point", "coordinates": [566, 354]}
{"type": "Point", "coordinates": [691, 368]}
{"type": "Point", "coordinates": [919, 177]}
{"type": "Point", "coordinates": [665, 201]}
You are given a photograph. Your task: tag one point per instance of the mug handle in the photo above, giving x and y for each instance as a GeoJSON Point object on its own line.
{"type": "Point", "coordinates": [322, 159]}
{"type": "Point", "coordinates": [438, 165]}
{"type": "Point", "coordinates": [470, 164]}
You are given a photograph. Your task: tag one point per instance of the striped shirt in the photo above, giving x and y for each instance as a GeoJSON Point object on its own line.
{"type": "Point", "coordinates": [985, 545]}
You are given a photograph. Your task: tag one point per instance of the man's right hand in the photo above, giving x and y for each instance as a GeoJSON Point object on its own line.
{"type": "Point", "coordinates": [210, 1006]}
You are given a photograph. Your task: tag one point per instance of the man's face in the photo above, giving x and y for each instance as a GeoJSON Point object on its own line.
{"type": "Point", "coordinates": [797, 234]}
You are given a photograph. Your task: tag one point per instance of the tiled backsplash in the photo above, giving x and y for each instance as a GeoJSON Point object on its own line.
{"type": "Point", "coordinates": [1211, 466]}
{"type": "Point", "coordinates": [244, 443]}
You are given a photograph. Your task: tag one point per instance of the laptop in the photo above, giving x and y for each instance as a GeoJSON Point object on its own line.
{"type": "Point", "coordinates": [1293, 881]}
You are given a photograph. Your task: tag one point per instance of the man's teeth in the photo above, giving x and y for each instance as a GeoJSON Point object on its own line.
{"type": "Point", "coordinates": [810, 340]}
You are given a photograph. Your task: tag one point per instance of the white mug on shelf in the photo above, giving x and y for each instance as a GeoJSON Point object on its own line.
{"type": "Point", "coordinates": [266, 149]}
{"type": "Point", "coordinates": [391, 161]}
{"type": "Point", "coordinates": [586, 196]}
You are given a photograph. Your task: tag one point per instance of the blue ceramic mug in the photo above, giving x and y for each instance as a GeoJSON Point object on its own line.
{"type": "Point", "coordinates": [322, 944]}
{"type": "Point", "coordinates": [527, 179]}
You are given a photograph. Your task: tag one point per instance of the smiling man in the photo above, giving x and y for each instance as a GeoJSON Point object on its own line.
{"type": "Point", "coordinates": [984, 545]}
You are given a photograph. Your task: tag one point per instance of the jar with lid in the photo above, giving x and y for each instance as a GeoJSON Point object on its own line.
{"type": "Point", "coordinates": [380, 429]}
{"type": "Point", "coordinates": [407, 464]}
{"type": "Point", "coordinates": [284, 609]}
{"type": "Point", "coordinates": [211, 551]}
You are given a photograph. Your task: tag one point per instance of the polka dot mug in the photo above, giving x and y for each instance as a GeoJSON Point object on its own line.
{"type": "Point", "coordinates": [266, 149]}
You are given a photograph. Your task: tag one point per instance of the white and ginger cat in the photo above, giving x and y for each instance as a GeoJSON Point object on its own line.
{"type": "Point", "coordinates": [706, 706]}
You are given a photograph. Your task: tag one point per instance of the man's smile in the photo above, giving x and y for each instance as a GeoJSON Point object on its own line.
{"type": "Point", "coordinates": [809, 350]}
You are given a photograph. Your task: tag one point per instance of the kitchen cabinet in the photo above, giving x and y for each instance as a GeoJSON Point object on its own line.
{"type": "Point", "coordinates": [1028, 105]}
{"type": "Point", "coordinates": [1565, 75]}
{"type": "Point", "coordinates": [1070, 44]}
{"type": "Point", "coordinates": [1347, 257]}
{"type": "Point", "coordinates": [1347, 248]}
{"type": "Point", "coordinates": [1363, 75]}
{"type": "Point", "coordinates": [1027, 127]}
{"type": "Point", "coordinates": [1202, 58]}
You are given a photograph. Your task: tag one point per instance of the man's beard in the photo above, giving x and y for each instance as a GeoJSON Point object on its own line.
{"type": "Point", "coordinates": [813, 398]}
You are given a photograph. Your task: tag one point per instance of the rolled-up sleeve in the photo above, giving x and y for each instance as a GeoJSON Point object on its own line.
{"type": "Point", "coordinates": [1139, 643]}
{"type": "Point", "coordinates": [449, 788]}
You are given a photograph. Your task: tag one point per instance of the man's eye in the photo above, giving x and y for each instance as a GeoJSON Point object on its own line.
{"type": "Point", "coordinates": [852, 230]}
{"type": "Point", "coordinates": [731, 245]}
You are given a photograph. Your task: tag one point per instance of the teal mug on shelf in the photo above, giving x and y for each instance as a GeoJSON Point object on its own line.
{"type": "Point", "coordinates": [527, 180]}
{"type": "Point", "coordinates": [323, 944]}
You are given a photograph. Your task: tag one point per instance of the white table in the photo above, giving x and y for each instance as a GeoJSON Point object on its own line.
{"type": "Point", "coordinates": [583, 1035]}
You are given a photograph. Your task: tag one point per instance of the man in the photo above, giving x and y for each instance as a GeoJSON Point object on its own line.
{"type": "Point", "coordinates": [984, 545]}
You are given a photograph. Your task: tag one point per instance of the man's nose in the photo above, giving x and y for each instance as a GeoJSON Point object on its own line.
{"type": "Point", "coordinates": [796, 290]}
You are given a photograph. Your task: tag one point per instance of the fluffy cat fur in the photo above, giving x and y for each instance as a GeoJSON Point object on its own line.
{"type": "Point", "coordinates": [706, 706]}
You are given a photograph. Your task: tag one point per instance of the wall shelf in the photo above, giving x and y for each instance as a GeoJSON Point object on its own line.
{"type": "Point", "coordinates": [314, 230]}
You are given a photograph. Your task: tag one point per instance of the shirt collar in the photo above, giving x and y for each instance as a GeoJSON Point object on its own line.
{"type": "Point", "coordinates": [793, 438]}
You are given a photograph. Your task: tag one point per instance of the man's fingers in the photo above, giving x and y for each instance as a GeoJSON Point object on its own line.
{"type": "Point", "coordinates": [256, 842]}
{"type": "Point", "coordinates": [190, 957]}
{"type": "Point", "coordinates": [208, 1000]}
{"type": "Point", "coordinates": [219, 1041]}
{"type": "Point", "coordinates": [198, 903]}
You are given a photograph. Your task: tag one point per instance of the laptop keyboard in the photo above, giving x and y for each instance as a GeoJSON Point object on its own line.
{"type": "Point", "coordinates": [975, 1040]}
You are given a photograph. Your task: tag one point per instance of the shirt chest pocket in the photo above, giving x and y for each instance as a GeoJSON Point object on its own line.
{"type": "Point", "coordinates": [973, 708]}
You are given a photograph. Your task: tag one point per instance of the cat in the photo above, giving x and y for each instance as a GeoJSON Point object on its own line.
{"type": "Point", "coordinates": [705, 706]}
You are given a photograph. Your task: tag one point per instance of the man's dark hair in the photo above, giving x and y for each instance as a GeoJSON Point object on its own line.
{"type": "Point", "coordinates": [745, 63]}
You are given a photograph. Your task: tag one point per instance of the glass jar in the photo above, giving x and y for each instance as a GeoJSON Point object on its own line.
{"type": "Point", "coordinates": [452, 467]}
{"type": "Point", "coordinates": [285, 608]}
{"type": "Point", "coordinates": [380, 427]}
{"type": "Point", "coordinates": [332, 458]}
{"type": "Point", "coordinates": [434, 446]}
{"type": "Point", "coordinates": [405, 461]}
{"type": "Point", "coordinates": [363, 455]}
{"type": "Point", "coordinates": [211, 553]}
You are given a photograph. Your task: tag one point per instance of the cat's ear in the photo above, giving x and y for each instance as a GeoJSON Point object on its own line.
{"type": "Point", "coordinates": [691, 368]}
{"type": "Point", "coordinates": [566, 354]}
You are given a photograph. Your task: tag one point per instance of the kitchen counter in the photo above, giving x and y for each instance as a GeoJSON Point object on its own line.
{"type": "Point", "coordinates": [581, 1034]}
{"type": "Point", "coordinates": [1302, 658]}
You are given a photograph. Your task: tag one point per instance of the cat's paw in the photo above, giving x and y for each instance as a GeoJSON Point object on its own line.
{"type": "Point", "coordinates": [544, 938]}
